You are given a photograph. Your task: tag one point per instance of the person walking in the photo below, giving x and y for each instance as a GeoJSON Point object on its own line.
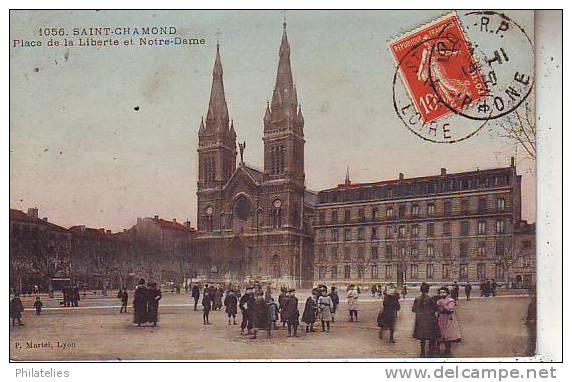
{"type": "Point", "coordinates": [211, 290]}
{"type": "Point", "coordinates": [426, 329]}
{"type": "Point", "coordinates": [140, 303]}
{"type": "Point", "coordinates": [352, 297]}
{"type": "Point", "coordinates": [207, 305]}
{"type": "Point", "coordinates": [75, 296]}
{"type": "Point", "coordinates": [335, 301]}
{"type": "Point", "coordinates": [493, 288]}
{"type": "Point", "coordinates": [325, 306]}
{"type": "Point", "coordinates": [447, 320]}
{"type": "Point", "coordinates": [290, 312]}
{"type": "Point", "coordinates": [468, 289]}
{"type": "Point", "coordinates": [154, 295]}
{"type": "Point", "coordinates": [310, 312]}
{"type": "Point", "coordinates": [246, 306]}
{"type": "Point", "coordinates": [388, 315]}
{"type": "Point", "coordinates": [196, 294]}
{"type": "Point", "coordinates": [260, 315]}
{"type": "Point", "coordinates": [455, 291]}
{"type": "Point", "coordinates": [272, 313]}
{"type": "Point", "coordinates": [38, 305]}
{"type": "Point", "coordinates": [404, 291]}
{"type": "Point", "coordinates": [218, 292]}
{"type": "Point", "coordinates": [281, 297]}
{"type": "Point", "coordinates": [231, 302]}
{"type": "Point", "coordinates": [16, 308]}
{"type": "Point", "coordinates": [124, 300]}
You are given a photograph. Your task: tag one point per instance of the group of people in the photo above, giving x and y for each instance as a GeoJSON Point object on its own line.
{"type": "Point", "coordinates": [320, 306]}
{"type": "Point", "coordinates": [489, 288]}
{"type": "Point", "coordinates": [260, 311]}
{"type": "Point", "coordinates": [146, 303]}
{"type": "Point", "coordinates": [436, 322]}
{"type": "Point", "coordinates": [71, 296]}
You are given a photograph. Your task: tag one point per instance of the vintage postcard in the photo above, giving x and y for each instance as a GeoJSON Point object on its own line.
{"type": "Point", "coordinates": [266, 184]}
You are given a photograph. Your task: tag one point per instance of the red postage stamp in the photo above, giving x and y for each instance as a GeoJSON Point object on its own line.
{"type": "Point", "coordinates": [438, 69]}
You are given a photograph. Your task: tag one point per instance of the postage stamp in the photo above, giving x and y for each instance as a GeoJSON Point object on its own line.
{"type": "Point", "coordinates": [438, 68]}
{"type": "Point", "coordinates": [460, 72]}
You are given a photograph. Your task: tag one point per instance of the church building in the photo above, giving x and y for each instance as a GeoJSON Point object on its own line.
{"type": "Point", "coordinates": [255, 223]}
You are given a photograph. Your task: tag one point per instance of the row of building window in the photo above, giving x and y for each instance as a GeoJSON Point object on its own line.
{"type": "Point", "coordinates": [408, 231]}
{"type": "Point", "coordinates": [277, 159]}
{"type": "Point", "coordinates": [411, 251]}
{"type": "Point", "coordinates": [412, 272]}
{"type": "Point", "coordinates": [414, 211]}
{"type": "Point", "coordinates": [389, 191]}
{"type": "Point", "coordinates": [209, 170]}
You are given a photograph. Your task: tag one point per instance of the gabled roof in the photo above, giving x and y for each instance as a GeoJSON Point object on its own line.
{"type": "Point", "coordinates": [167, 224]}
{"type": "Point", "coordinates": [253, 173]}
{"type": "Point", "coordinates": [18, 215]}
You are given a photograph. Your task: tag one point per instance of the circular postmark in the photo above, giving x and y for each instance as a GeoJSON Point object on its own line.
{"type": "Point", "coordinates": [452, 86]}
{"type": "Point", "coordinates": [503, 56]}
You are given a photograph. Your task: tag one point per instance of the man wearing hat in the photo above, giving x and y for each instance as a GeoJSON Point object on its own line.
{"type": "Point", "coordinates": [388, 315]}
{"type": "Point", "coordinates": [246, 305]}
{"type": "Point", "coordinates": [290, 312]}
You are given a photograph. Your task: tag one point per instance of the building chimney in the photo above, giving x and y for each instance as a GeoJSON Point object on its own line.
{"type": "Point", "coordinates": [108, 232]}
{"type": "Point", "coordinates": [33, 212]}
{"type": "Point", "coordinates": [45, 219]}
{"type": "Point", "coordinates": [511, 161]}
{"type": "Point", "coordinates": [443, 171]}
{"type": "Point", "coordinates": [139, 220]}
{"type": "Point", "coordinates": [401, 176]}
{"type": "Point", "coordinates": [156, 217]}
{"type": "Point", "coordinates": [188, 224]}
{"type": "Point", "coordinates": [174, 220]}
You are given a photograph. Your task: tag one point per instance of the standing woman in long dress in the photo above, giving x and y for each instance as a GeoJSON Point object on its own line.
{"type": "Point", "coordinates": [447, 320]}
{"type": "Point", "coordinates": [310, 312]}
{"type": "Point", "coordinates": [426, 327]}
{"type": "Point", "coordinates": [140, 303]}
{"type": "Point", "coordinates": [154, 295]}
{"type": "Point", "coordinates": [388, 315]}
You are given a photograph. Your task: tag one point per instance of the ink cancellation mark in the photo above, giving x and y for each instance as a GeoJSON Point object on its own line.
{"type": "Point", "coordinates": [446, 94]}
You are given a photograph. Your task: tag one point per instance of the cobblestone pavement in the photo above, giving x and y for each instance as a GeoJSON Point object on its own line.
{"type": "Point", "coordinates": [492, 327]}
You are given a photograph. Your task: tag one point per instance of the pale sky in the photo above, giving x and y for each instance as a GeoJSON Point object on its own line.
{"type": "Point", "coordinates": [82, 154]}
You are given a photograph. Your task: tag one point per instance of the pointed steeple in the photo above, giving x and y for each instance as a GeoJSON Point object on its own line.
{"type": "Point", "coordinates": [217, 116]}
{"type": "Point", "coordinates": [232, 132]}
{"type": "Point", "coordinates": [348, 181]}
{"type": "Point", "coordinates": [267, 114]}
{"type": "Point", "coordinates": [284, 100]}
{"type": "Point", "coordinates": [300, 117]}
{"type": "Point", "coordinates": [202, 126]}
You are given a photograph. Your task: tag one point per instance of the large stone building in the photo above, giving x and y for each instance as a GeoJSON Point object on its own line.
{"type": "Point", "coordinates": [523, 270]}
{"type": "Point", "coordinates": [40, 251]}
{"type": "Point", "coordinates": [255, 222]}
{"type": "Point", "coordinates": [440, 228]}
{"type": "Point", "coordinates": [161, 250]}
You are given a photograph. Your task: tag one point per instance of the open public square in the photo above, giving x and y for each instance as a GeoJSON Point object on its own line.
{"type": "Point", "coordinates": [491, 327]}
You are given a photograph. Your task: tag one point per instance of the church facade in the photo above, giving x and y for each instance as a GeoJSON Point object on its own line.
{"type": "Point", "coordinates": [255, 223]}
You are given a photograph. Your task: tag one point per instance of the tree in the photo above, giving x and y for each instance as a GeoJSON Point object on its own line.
{"type": "Point", "coordinates": [520, 126]}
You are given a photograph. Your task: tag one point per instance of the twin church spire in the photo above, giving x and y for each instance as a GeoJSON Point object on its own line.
{"type": "Point", "coordinates": [284, 110]}
{"type": "Point", "coordinates": [283, 129]}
